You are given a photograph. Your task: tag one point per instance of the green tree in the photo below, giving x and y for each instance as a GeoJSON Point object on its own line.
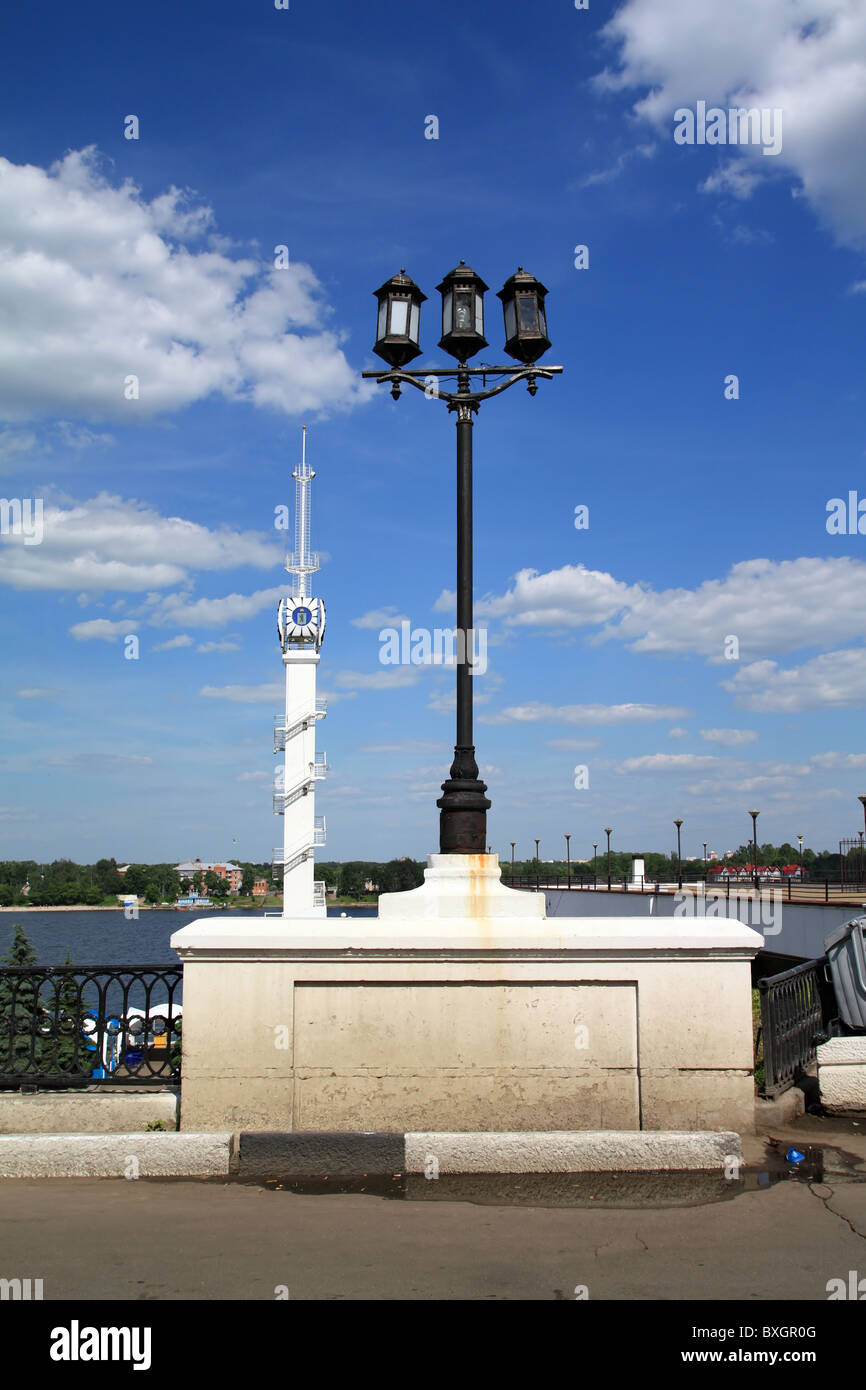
{"type": "Point", "coordinates": [18, 1007]}
{"type": "Point", "coordinates": [247, 881]}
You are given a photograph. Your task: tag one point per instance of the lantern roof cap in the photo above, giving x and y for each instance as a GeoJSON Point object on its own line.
{"type": "Point", "coordinates": [519, 280]}
{"type": "Point", "coordinates": [462, 272]}
{"type": "Point", "coordinates": [402, 281]}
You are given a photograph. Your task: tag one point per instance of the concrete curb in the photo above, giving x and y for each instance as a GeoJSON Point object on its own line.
{"type": "Point", "coordinates": [323, 1154]}
{"type": "Point", "coordinates": [156, 1155]}
{"type": "Point", "coordinates": [312, 1154]}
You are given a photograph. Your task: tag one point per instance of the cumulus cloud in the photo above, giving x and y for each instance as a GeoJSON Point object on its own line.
{"type": "Point", "coordinates": [806, 57]}
{"type": "Point", "coordinates": [834, 680]}
{"type": "Point", "coordinates": [100, 630]}
{"type": "Point", "coordinates": [182, 640]}
{"type": "Point", "coordinates": [99, 284]}
{"type": "Point", "coordinates": [729, 738]}
{"type": "Point", "coordinates": [111, 543]}
{"type": "Point", "coordinates": [389, 678]}
{"type": "Point", "coordinates": [668, 762]}
{"type": "Point", "coordinates": [535, 712]}
{"type": "Point", "coordinates": [35, 692]}
{"type": "Point", "coordinates": [218, 647]}
{"type": "Point", "coordinates": [770, 606]}
{"type": "Point", "coordinates": [378, 618]}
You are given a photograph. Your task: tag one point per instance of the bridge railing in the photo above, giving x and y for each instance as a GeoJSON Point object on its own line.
{"type": "Point", "coordinates": [84, 1025]}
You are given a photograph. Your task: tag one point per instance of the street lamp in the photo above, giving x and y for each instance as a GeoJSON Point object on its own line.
{"type": "Point", "coordinates": [800, 853]}
{"type": "Point", "coordinates": [568, 857]}
{"type": "Point", "coordinates": [594, 865]}
{"type": "Point", "coordinates": [608, 832]}
{"type": "Point", "coordinates": [513, 843]}
{"type": "Point", "coordinates": [754, 815]}
{"type": "Point", "coordinates": [536, 862]}
{"type": "Point", "coordinates": [678, 824]}
{"type": "Point", "coordinates": [463, 805]}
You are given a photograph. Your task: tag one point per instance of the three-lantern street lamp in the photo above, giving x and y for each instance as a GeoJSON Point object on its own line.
{"type": "Point", "coordinates": [463, 805]}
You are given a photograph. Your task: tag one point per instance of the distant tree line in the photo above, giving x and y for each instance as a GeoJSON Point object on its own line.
{"type": "Point", "coordinates": [64, 883]}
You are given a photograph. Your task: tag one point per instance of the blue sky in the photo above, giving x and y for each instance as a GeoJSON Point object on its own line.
{"type": "Point", "coordinates": [305, 128]}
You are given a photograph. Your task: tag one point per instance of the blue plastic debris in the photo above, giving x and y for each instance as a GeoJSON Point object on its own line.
{"type": "Point", "coordinates": [794, 1156]}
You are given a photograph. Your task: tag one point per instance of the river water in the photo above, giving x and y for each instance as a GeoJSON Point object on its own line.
{"type": "Point", "coordinates": [109, 938]}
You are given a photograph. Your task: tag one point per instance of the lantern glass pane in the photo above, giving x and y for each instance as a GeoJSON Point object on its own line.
{"type": "Point", "coordinates": [383, 318]}
{"type": "Point", "coordinates": [479, 315]}
{"type": "Point", "coordinates": [510, 319]}
{"type": "Point", "coordinates": [399, 316]}
{"type": "Point", "coordinates": [446, 314]}
{"type": "Point", "coordinates": [414, 322]}
{"type": "Point", "coordinates": [542, 319]}
{"type": "Point", "coordinates": [526, 310]}
{"type": "Point", "coordinates": [463, 310]}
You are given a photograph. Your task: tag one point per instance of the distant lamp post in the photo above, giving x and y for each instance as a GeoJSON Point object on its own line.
{"type": "Point", "coordinates": [678, 824]}
{"type": "Point", "coordinates": [608, 832]}
{"type": "Point", "coordinates": [568, 857]}
{"type": "Point", "coordinates": [862, 800]}
{"type": "Point", "coordinates": [754, 815]}
{"type": "Point", "coordinates": [513, 843]}
{"type": "Point", "coordinates": [594, 864]}
{"type": "Point", "coordinates": [800, 853]}
{"type": "Point", "coordinates": [537, 842]}
{"type": "Point", "coordinates": [463, 805]}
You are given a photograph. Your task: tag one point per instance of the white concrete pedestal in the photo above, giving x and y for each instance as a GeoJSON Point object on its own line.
{"type": "Point", "coordinates": [461, 1008]}
{"type": "Point", "coordinates": [842, 1074]}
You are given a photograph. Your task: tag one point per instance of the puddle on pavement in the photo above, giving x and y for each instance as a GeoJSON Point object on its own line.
{"type": "Point", "coordinates": [820, 1163]}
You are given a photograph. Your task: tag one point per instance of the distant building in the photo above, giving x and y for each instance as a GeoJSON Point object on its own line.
{"type": "Point", "coordinates": [231, 874]}
{"type": "Point", "coordinates": [260, 888]}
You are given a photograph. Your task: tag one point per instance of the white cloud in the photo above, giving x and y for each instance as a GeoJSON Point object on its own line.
{"type": "Point", "coordinates": [572, 744]}
{"type": "Point", "coordinates": [584, 714]}
{"type": "Point", "coordinates": [254, 777]}
{"type": "Point", "coordinates": [770, 606]}
{"type": "Point", "coordinates": [389, 678]}
{"type": "Point", "coordinates": [100, 630]}
{"type": "Point", "coordinates": [110, 543]}
{"type": "Point", "coordinates": [737, 179]}
{"type": "Point", "coordinates": [218, 647]}
{"type": "Point", "coordinates": [272, 692]}
{"type": "Point", "coordinates": [35, 692]}
{"type": "Point", "coordinates": [669, 762]}
{"type": "Point", "coordinates": [838, 760]}
{"type": "Point", "coordinates": [678, 733]}
{"type": "Point", "coordinates": [378, 618]}
{"type": "Point", "coordinates": [834, 680]}
{"type": "Point", "coordinates": [729, 738]}
{"type": "Point", "coordinates": [182, 640]}
{"type": "Point", "coordinates": [806, 57]}
{"type": "Point", "coordinates": [99, 283]}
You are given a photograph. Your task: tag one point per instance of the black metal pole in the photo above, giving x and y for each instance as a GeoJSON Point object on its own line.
{"type": "Point", "coordinates": [463, 805]}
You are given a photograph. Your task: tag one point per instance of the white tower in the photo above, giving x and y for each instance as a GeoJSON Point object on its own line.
{"type": "Point", "coordinates": [301, 626]}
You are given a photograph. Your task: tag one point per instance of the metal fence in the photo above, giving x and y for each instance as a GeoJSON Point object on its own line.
{"type": "Point", "coordinates": [85, 1025]}
{"type": "Point", "coordinates": [796, 1008]}
{"type": "Point", "coordinates": [809, 890]}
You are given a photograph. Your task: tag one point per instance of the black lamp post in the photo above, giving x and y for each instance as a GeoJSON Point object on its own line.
{"type": "Point", "coordinates": [862, 800]}
{"type": "Point", "coordinates": [536, 862]}
{"type": "Point", "coordinates": [513, 843]}
{"type": "Point", "coordinates": [594, 864]}
{"type": "Point", "coordinates": [800, 853]}
{"type": "Point", "coordinates": [608, 832]}
{"type": "Point", "coordinates": [678, 824]}
{"type": "Point", "coordinates": [568, 857]}
{"type": "Point", "coordinates": [463, 805]}
{"type": "Point", "coordinates": [754, 815]}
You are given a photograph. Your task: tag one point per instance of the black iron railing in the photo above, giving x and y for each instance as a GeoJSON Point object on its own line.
{"type": "Point", "coordinates": [796, 1008]}
{"type": "Point", "coordinates": [85, 1025]}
